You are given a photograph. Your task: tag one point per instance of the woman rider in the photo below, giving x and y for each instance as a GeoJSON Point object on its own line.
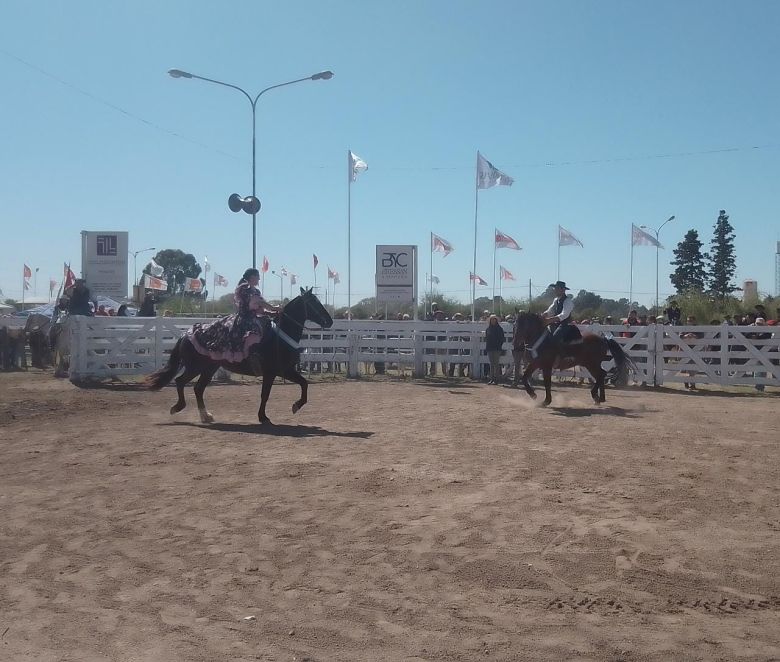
{"type": "Point", "coordinates": [230, 338]}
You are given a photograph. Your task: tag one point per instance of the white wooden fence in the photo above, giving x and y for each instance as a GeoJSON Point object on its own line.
{"type": "Point", "coordinates": [727, 355]}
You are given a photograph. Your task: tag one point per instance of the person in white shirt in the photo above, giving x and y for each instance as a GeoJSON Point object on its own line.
{"type": "Point", "coordinates": [558, 318]}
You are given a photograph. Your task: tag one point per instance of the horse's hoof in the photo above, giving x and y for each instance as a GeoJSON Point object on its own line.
{"type": "Point", "coordinates": [176, 408]}
{"type": "Point", "coordinates": [533, 395]}
{"type": "Point", "coordinates": [206, 417]}
{"type": "Point", "coordinates": [296, 407]}
{"type": "Point", "coordinates": [546, 402]}
{"type": "Point", "coordinates": [264, 420]}
{"type": "Point", "coordinates": [597, 401]}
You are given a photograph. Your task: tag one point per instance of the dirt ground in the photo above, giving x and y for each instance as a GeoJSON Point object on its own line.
{"type": "Point", "coordinates": [388, 520]}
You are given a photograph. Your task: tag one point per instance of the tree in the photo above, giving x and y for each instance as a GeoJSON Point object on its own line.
{"type": "Point", "coordinates": [690, 272]}
{"type": "Point", "coordinates": [722, 263]}
{"type": "Point", "coordinates": [177, 265]}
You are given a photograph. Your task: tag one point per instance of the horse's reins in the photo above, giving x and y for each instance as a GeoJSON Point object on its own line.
{"type": "Point", "coordinates": [302, 325]}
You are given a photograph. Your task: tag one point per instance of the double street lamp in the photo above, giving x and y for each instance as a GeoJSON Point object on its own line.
{"type": "Point", "coordinates": [657, 247]}
{"type": "Point", "coordinates": [135, 254]}
{"type": "Point", "coordinates": [251, 205]}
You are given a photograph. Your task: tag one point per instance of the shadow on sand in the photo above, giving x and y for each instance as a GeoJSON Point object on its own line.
{"type": "Point", "coordinates": [577, 412]}
{"type": "Point", "coordinates": [297, 431]}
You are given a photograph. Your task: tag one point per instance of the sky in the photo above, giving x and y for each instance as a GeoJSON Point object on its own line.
{"type": "Point", "coordinates": [605, 114]}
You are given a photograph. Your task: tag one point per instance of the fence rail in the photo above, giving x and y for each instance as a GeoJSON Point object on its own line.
{"type": "Point", "coordinates": [726, 355]}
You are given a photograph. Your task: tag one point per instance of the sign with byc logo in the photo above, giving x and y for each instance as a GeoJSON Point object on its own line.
{"type": "Point", "coordinates": [396, 273]}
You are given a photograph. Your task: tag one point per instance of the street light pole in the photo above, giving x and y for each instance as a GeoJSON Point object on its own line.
{"type": "Point", "coordinates": [657, 247]}
{"type": "Point", "coordinates": [135, 254]}
{"type": "Point", "coordinates": [322, 75]}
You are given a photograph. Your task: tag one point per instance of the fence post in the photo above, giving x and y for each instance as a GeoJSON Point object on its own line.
{"type": "Point", "coordinates": [353, 344]}
{"type": "Point", "coordinates": [419, 370]}
{"type": "Point", "coordinates": [474, 348]}
{"type": "Point", "coordinates": [725, 333]}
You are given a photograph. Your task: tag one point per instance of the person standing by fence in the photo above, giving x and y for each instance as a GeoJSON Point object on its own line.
{"type": "Point", "coordinates": [494, 342]}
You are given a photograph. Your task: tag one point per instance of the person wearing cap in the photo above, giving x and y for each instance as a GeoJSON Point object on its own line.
{"type": "Point", "coordinates": [557, 318]}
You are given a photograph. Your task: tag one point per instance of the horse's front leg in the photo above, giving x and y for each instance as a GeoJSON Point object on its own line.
{"type": "Point", "coordinates": [524, 379]}
{"type": "Point", "coordinates": [547, 373]}
{"type": "Point", "coordinates": [268, 382]}
{"type": "Point", "coordinates": [299, 379]}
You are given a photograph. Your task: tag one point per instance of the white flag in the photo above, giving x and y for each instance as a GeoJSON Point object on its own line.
{"type": "Point", "coordinates": [434, 279]}
{"type": "Point", "coordinates": [566, 238]}
{"type": "Point", "coordinates": [489, 176]}
{"type": "Point", "coordinates": [155, 269]}
{"type": "Point", "coordinates": [356, 165]}
{"type": "Point", "coordinates": [506, 274]}
{"type": "Point", "coordinates": [641, 238]}
{"type": "Point", "coordinates": [439, 245]}
{"type": "Point", "coordinates": [293, 279]}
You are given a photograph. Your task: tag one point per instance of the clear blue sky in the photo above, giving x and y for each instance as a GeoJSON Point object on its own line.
{"type": "Point", "coordinates": [576, 100]}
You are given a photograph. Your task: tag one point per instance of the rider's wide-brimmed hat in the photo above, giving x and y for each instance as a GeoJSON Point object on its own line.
{"type": "Point", "coordinates": [559, 283]}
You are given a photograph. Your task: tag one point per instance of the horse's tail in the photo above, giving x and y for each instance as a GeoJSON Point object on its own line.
{"type": "Point", "coordinates": [161, 377]}
{"type": "Point", "coordinates": [623, 362]}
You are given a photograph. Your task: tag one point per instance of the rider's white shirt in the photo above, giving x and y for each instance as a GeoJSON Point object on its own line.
{"type": "Point", "coordinates": [568, 308]}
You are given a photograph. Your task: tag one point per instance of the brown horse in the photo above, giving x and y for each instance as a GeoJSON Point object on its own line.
{"type": "Point", "coordinates": [277, 356]}
{"type": "Point", "coordinates": [590, 352]}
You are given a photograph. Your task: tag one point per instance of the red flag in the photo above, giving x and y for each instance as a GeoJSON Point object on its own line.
{"type": "Point", "coordinates": [316, 261]}
{"type": "Point", "coordinates": [27, 272]}
{"type": "Point", "coordinates": [477, 279]}
{"type": "Point", "coordinates": [220, 281]}
{"type": "Point", "coordinates": [265, 264]}
{"type": "Point", "coordinates": [70, 278]}
{"type": "Point", "coordinates": [506, 274]}
{"type": "Point", "coordinates": [505, 241]}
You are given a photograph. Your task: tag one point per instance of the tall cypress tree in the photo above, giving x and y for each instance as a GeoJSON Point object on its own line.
{"type": "Point", "coordinates": [722, 263]}
{"type": "Point", "coordinates": [690, 273]}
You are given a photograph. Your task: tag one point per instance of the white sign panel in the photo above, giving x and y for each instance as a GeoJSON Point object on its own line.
{"type": "Point", "coordinates": [104, 263]}
{"type": "Point", "coordinates": [396, 274]}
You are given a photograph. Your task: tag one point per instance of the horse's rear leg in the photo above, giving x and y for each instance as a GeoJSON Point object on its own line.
{"type": "Point", "coordinates": [296, 377]}
{"type": "Point", "coordinates": [524, 379]}
{"type": "Point", "coordinates": [200, 387]}
{"type": "Point", "coordinates": [181, 381]}
{"type": "Point", "coordinates": [547, 373]}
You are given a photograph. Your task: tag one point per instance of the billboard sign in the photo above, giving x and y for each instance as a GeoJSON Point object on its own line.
{"type": "Point", "coordinates": [396, 274]}
{"type": "Point", "coordinates": [104, 259]}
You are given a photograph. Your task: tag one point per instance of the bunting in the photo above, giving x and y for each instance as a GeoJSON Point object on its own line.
{"type": "Point", "coordinates": [154, 283]}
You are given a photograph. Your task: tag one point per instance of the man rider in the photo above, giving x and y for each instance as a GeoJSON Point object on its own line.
{"type": "Point", "coordinates": [557, 317]}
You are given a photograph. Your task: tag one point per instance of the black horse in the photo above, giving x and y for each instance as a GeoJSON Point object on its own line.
{"type": "Point", "coordinates": [277, 356]}
{"type": "Point", "coordinates": [588, 352]}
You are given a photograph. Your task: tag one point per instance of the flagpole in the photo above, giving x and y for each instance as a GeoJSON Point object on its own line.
{"type": "Point", "coordinates": [500, 287]}
{"type": "Point", "coordinates": [493, 307]}
{"type": "Point", "coordinates": [474, 267]}
{"type": "Point", "coordinates": [631, 274]}
{"type": "Point", "coordinates": [349, 237]}
{"type": "Point", "coordinates": [558, 276]}
{"type": "Point", "coordinates": [430, 286]}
